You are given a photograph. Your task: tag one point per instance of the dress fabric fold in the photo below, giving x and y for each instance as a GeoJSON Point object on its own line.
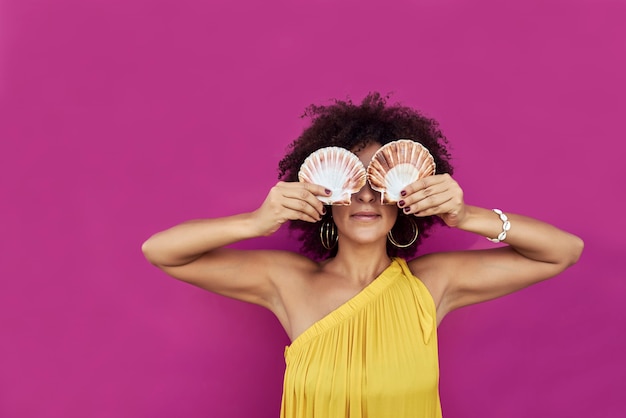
{"type": "Point", "coordinates": [375, 356]}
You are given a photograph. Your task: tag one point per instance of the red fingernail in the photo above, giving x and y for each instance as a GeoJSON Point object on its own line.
{"type": "Point", "coordinates": [327, 191]}
{"type": "Point", "coordinates": [407, 209]}
{"type": "Point", "coordinates": [403, 193]}
{"type": "Point", "coordinates": [324, 211]}
{"type": "Point", "coordinates": [401, 203]}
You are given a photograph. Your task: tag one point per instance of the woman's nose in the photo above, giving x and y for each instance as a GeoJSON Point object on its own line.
{"type": "Point", "coordinates": [366, 194]}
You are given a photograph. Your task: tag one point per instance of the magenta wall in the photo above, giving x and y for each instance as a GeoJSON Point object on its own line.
{"type": "Point", "coordinates": [121, 118]}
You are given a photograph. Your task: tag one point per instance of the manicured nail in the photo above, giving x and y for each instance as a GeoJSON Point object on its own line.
{"type": "Point", "coordinates": [327, 191]}
{"type": "Point", "coordinates": [407, 209]}
{"type": "Point", "coordinates": [401, 203]}
{"type": "Point", "coordinates": [324, 211]}
{"type": "Point", "coordinates": [403, 193]}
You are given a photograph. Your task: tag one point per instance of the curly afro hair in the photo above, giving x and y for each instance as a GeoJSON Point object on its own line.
{"type": "Point", "coordinates": [344, 124]}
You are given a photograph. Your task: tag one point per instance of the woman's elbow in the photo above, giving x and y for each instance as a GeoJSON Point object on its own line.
{"type": "Point", "coordinates": [576, 249]}
{"type": "Point", "coordinates": [148, 250]}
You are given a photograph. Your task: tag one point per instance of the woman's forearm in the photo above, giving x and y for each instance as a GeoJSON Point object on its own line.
{"type": "Point", "coordinates": [530, 237]}
{"type": "Point", "coordinates": [186, 242]}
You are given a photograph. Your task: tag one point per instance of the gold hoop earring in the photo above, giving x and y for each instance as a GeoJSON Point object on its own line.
{"type": "Point", "coordinates": [395, 243]}
{"type": "Point", "coordinates": [328, 234]}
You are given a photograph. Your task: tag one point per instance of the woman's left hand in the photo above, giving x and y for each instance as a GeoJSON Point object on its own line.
{"type": "Point", "coordinates": [437, 195]}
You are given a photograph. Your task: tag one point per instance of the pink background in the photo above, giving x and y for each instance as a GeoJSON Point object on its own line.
{"type": "Point", "coordinates": [121, 118]}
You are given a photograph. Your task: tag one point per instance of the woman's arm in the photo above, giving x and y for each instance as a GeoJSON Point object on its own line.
{"type": "Point", "coordinates": [536, 250]}
{"type": "Point", "coordinates": [193, 251]}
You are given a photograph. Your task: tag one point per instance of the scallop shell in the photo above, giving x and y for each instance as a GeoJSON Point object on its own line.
{"type": "Point", "coordinates": [396, 165]}
{"type": "Point", "coordinates": [338, 170]}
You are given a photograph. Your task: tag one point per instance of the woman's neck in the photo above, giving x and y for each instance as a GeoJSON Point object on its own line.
{"type": "Point", "coordinates": [361, 264]}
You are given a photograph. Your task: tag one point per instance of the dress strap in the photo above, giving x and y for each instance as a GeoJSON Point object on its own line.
{"type": "Point", "coordinates": [426, 318]}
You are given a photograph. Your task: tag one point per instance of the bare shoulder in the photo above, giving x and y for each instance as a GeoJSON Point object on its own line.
{"type": "Point", "coordinates": [293, 275]}
{"type": "Point", "coordinates": [296, 280]}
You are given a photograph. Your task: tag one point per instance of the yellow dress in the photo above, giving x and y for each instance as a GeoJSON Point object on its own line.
{"type": "Point", "coordinates": [374, 356]}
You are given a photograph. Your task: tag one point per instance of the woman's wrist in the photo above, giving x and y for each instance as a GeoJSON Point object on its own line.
{"type": "Point", "coordinates": [486, 222]}
{"type": "Point", "coordinates": [506, 226]}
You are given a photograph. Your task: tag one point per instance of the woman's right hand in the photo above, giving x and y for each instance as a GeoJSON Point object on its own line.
{"type": "Point", "coordinates": [290, 201]}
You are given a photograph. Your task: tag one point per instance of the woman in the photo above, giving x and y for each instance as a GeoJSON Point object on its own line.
{"type": "Point", "coordinates": [362, 321]}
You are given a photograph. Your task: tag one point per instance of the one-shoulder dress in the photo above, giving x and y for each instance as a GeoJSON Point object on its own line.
{"type": "Point", "coordinates": [375, 356]}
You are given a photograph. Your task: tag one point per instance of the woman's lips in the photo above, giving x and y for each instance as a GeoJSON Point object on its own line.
{"type": "Point", "coordinates": [365, 216]}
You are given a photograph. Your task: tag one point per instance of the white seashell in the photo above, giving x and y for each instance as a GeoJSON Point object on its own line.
{"type": "Point", "coordinates": [396, 165]}
{"type": "Point", "coordinates": [338, 170]}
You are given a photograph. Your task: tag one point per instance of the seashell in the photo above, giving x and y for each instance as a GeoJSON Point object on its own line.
{"type": "Point", "coordinates": [396, 165]}
{"type": "Point", "coordinates": [338, 170]}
